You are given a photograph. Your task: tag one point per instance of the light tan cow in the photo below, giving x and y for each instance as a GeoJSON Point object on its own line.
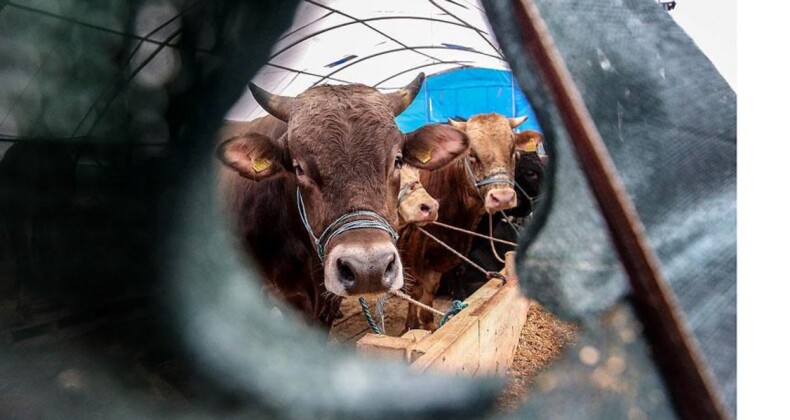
{"type": "Point", "coordinates": [415, 205]}
{"type": "Point", "coordinates": [481, 182]}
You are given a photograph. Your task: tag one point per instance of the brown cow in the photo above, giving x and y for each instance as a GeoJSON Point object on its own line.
{"type": "Point", "coordinates": [466, 190]}
{"type": "Point", "coordinates": [316, 198]}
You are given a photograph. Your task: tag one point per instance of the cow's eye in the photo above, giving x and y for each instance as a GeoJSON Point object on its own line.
{"type": "Point", "coordinates": [398, 161]}
{"type": "Point", "coordinates": [298, 169]}
{"type": "Point", "coordinates": [532, 174]}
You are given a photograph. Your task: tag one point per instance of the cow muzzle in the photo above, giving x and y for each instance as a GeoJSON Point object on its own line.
{"type": "Point", "coordinates": [362, 267]}
{"type": "Point", "coordinates": [500, 199]}
{"type": "Point", "coordinates": [362, 257]}
{"type": "Point", "coordinates": [418, 208]}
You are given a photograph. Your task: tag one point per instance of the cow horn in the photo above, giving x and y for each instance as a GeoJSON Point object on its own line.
{"type": "Point", "coordinates": [515, 122]}
{"type": "Point", "coordinates": [401, 99]}
{"type": "Point", "coordinates": [461, 125]}
{"type": "Point", "coordinates": [279, 106]}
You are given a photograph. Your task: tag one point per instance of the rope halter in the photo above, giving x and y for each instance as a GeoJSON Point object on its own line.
{"type": "Point", "coordinates": [405, 191]}
{"type": "Point", "coordinates": [362, 219]}
{"type": "Point", "coordinates": [532, 200]}
{"type": "Point", "coordinates": [499, 177]}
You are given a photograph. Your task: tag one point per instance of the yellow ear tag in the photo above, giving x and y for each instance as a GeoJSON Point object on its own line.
{"type": "Point", "coordinates": [531, 146]}
{"type": "Point", "coordinates": [260, 164]}
{"type": "Point", "coordinates": [423, 153]}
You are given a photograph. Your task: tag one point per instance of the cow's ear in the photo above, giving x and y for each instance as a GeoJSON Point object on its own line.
{"type": "Point", "coordinates": [252, 155]}
{"type": "Point", "coordinates": [528, 140]}
{"type": "Point", "coordinates": [434, 146]}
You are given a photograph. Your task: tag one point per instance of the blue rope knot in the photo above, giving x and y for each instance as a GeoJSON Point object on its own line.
{"type": "Point", "coordinates": [456, 307]}
{"type": "Point", "coordinates": [369, 317]}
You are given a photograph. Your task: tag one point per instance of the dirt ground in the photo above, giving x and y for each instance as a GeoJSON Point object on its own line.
{"type": "Point", "coordinates": [541, 341]}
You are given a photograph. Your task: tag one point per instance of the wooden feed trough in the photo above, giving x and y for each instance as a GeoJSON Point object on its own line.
{"type": "Point", "coordinates": [480, 340]}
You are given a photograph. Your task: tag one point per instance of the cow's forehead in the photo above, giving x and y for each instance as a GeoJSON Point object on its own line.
{"type": "Point", "coordinates": [351, 114]}
{"type": "Point", "coordinates": [327, 97]}
{"type": "Point", "coordinates": [490, 133]}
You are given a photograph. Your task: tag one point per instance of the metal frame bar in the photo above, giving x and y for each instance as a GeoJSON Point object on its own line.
{"type": "Point", "coordinates": [422, 67]}
{"type": "Point", "coordinates": [380, 53]}
{"type": "Point", "coordinates": [99, 28]}
{"type": "Point", "coordinates": [334, 79]}
{"type": "Point", "coordinates": [289, 33]}
{"type": "Point", "coordinates": [359, 22]}
{"type": "Point", "coordinates": [128, 61]}
{"type": "Point", "coordinates": [368, 26]}
{"type": "Point", "coordinates": [465, 23]}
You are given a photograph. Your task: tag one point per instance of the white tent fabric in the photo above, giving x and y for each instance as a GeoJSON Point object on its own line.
{"type": "Point", "coordinates": [380, 44]}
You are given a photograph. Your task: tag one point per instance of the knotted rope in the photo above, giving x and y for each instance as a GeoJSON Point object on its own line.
{"type": "Point", "coordinates": [488, 274]}
{"type": "Point", "coordinates": [471, 233]}
{"type": "Point", "coordinates": [369, 317]}
{"type": "Point", "coordinates": [455, 307]}
{"type": "Point", "coordinates": [500, 177]}
{"type": "Point", "coordinates": [491, 237]}
{"type": "Point", "coordinates": [406, 191]}
{"type": "Point", "coordinates": [513, 226]}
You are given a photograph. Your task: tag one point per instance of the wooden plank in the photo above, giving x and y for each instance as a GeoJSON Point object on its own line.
{"type": "Point", "coordinates": [383, 346]}
{"type": "Point", "coordinates": [393, 348]}
{"type": "Point", "coordinates": [501, 319]}
{"type": "Point", "coordinates": [501, 328]}
{"type": "Point", "coordinates": [481, 339]}
{"type": "Point", "coordinates": [458, 346]}
{"type": "Point", "coordinates": [458, 323]}
{"type": "Point", "coordinates": [416, 335]}
{"type": "Point", "coordinates": [453, 349]}
{"type": "Point", "coordinates": [363, 331]}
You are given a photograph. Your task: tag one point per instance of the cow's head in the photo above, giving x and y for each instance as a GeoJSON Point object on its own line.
{"type": "Point", "coordinates": [530, 165]}
{"type": "Point", "coordinates": [415, 205]}
{"type": "Point", "coordinates": [345, 152]}
{"type": "Point", "coordinates": [529, 180]}
{"type": "Point", "coordinates": [491, 157]}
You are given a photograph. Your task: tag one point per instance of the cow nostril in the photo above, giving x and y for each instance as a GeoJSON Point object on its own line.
{"type": "Point", "coordinates": [391, 267]}
{"type": "Point", "coordinates": [425, 208]}
{"type": "Point", "coordinates": [345, 271]}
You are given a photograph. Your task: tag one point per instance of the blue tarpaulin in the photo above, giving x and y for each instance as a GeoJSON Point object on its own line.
{"type": "Point", "coordinates": [466, 92]}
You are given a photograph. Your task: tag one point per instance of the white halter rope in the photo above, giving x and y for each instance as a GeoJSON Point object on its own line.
{"type": "Point", "coordinates": [495, 178]}
{"type": "Point", "coordinates": [404, 192]}
{"type": "Point", "coordinates": [365, 220]}
{"type": "Point", "coordinates": [532, 200]}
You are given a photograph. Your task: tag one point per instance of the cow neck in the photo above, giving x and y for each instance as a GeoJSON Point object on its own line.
{"type": "Point", "coordinates": [456, 177]}
{"type": "Point", "coordinates": [455, 186]}
{"type": "Point", "coordinates": [359, 219]}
